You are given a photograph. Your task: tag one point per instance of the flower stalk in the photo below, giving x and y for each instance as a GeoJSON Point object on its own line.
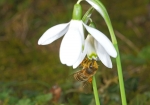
{"type": "Point", "coordinates": [97, 5]}
{"type": "Point", "coordinates": [97, 101]}
{"type": "Point", "coordinates": [118, 61]}
{"type": "Point", "coordinates": [120, 76]}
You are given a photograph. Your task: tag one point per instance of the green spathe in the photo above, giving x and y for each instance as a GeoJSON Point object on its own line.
{"type": "Point", "coordinates": [77, 12]}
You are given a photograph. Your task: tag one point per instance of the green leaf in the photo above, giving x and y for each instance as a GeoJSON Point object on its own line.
{"type": "Point", "coordinates": [5, 94]}
{"type": "Point", "coordinates": [24, 102]}
{"type": "Point", "coordinates": [43, 98]}
{"type": "Point", "coordinates": [86, 98]}
{"type": "Point", "coordinates": [140, 99]}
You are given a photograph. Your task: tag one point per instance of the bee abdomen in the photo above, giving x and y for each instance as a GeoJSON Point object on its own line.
{"type": "Point", "coordinates": [80, 77]}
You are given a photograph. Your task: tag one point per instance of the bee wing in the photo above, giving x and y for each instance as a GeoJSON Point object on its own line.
{"type": "Point", "coordinates": [85, 84]}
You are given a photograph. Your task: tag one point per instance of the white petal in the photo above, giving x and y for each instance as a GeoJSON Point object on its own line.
{"type": "Point", "coordinates": [103, 40]}
{"type": "Point", "coordinates": [53, 33]}
{"type": "Point", "coordinates": [91, 53]}
{"type": "Point", "coordinates": [102, 54]}
{"type": "Point", "coordinates": [81, 57]}
{"type": "Point", "coordinates": [71, 47]}
{"type": "Point", "coordinates": [77, 24]}
{"type": "Point", "coordinates": [95, 6]}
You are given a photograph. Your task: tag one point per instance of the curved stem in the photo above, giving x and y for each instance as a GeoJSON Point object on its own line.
{"type": "Point", "coordinates": [118, 61]}
{"type": "Point", "coordinates": [95, 91]}
{"type": "Point", "coordinates": [114, 40]}
{"type": "Point", "coordinates": [120, 76]}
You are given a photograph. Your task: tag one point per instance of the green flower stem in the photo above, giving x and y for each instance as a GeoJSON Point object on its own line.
{"type": "Point", "coordinates": [114, 40]}
{"type": "Point", "coordinates": [118, 61]}
{"type": "Point", "coordinates": [95, 91]}
{"type": "Point", "coordinates": [119, 67]}
{"type": "Point", "coordinates": [120, 75]}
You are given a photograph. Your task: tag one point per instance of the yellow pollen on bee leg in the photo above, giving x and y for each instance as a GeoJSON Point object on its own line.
{"type": "Point", "coordinates": [90, 80]}
{"type": "Point", "coordinates": [95, 65]}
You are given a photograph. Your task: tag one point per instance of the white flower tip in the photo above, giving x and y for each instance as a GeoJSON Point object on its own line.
{"type": "Point", "coordinates": [74, 67]}
{"type": "Point", "coordinates": [40, 42]}
{"type": "Point", "coordinates": [108, 63]}
{"type": "Point", "coordinates": [110, 66]}
{"type": "Point", "coordinates": [114, 54]}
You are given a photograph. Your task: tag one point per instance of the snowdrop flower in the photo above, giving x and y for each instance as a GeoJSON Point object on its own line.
{"type": "Point", "coordinates": [98, 47]}
{"type": "Point", "coordinates": [73, 47]}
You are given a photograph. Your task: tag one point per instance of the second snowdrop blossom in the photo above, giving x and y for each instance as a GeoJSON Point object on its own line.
{"type": "Point", "coordinates": [98, 47]}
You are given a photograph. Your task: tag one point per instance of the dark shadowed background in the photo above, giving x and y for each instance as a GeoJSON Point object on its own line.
{"type": "Point", "coordinates": [33, 75]}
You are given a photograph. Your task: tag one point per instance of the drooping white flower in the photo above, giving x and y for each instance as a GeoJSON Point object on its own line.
{"type": "Point", "coordinates": [71, 45]}
{"type": "Point", "coordinates": [73, 48]}
{"type": "Point", "coordinates": [98, 47]}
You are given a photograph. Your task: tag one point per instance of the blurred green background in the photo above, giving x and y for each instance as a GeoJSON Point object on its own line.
{"type": "Point", "coordinates": [33, 75]}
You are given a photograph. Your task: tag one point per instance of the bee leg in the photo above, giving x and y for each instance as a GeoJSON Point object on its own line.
{"type": "Point", "coordinates": [90, 80]}
{"type": "Point", "coordinates": [76, 77]}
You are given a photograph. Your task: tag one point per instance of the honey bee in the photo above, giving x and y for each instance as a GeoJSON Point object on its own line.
{"type": "Point", "coordinates": [89, 68]}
